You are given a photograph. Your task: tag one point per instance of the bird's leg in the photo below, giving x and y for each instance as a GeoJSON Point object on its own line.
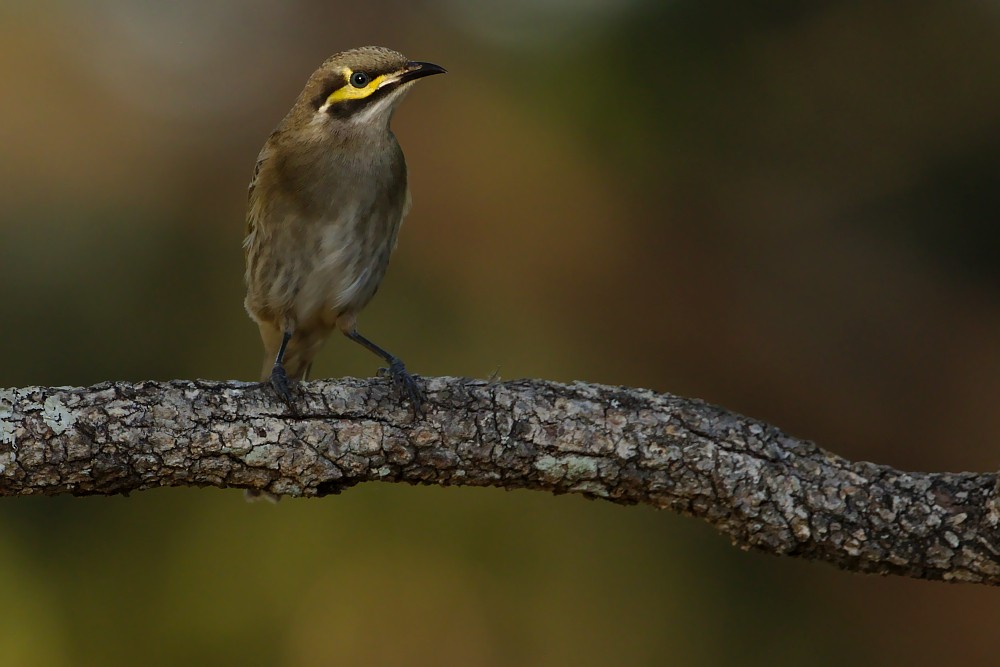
{"type": "Point", "coordinates": [279, 379]}
{"type": "Point", "coordinates": [402, 380]}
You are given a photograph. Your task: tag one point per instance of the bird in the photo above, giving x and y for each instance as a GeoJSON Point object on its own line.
{"type": "Point", "coordinates": [326, 200]}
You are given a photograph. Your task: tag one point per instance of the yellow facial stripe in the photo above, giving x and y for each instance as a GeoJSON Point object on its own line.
{"type": "Point", "coordinates": [349, 92]}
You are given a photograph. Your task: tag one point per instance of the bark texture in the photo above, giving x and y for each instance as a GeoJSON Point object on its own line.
{"type": "Point", "coordinates": [762, 488]}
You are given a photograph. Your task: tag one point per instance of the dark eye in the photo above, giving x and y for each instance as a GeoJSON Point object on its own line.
{"type": "Point", "coordinates": [360, 79]}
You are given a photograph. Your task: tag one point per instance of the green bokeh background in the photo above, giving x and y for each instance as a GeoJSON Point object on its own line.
{"type": "Point", "coordinates": [787, 208]}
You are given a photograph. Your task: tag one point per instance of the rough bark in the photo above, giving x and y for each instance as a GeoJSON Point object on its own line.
{"type": "Point", "coordinates": [762, 488]}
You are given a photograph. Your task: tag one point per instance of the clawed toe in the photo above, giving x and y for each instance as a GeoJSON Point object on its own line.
{"type": "Point", "coordinates": [279, 382]}
{"type": "Point", "coordinates": [404, 384]}
{"type": "Point", "coordinates": [401, 380]}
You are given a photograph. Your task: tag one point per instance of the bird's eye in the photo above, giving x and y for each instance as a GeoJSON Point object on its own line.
{"type": "Point", "coordinates": [360, 79]}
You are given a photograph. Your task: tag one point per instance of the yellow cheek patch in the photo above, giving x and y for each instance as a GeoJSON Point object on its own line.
{"type": "Point", "coordinates": [349, 92]}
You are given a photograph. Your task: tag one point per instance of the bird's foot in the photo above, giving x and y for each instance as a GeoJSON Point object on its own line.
{"type": "Point", "coordinates": [279, 382]}
{"type": "Point", "coordinates": [404, 384]}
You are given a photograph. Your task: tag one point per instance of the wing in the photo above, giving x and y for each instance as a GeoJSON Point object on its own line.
{"type": "Point", "coordinates": [255, 205]}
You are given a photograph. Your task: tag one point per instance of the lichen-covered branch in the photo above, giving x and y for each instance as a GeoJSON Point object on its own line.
{"type": "Point", "coordinates": [762, 488]}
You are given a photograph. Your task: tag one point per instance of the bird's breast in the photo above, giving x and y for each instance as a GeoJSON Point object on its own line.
{"type": "Point", "coordinates": [330, 219]}
{"type": "Point", "coordinates": [352, 244]}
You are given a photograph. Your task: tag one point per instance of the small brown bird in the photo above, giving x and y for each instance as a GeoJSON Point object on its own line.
{"type": "Point", "coordinates": [326, 200]}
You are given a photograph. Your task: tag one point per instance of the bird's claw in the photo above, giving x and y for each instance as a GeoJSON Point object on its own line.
{"type": "Point", "coordinates": [279, 382]}
{"type": "Point", "coordinates": [404, 384]}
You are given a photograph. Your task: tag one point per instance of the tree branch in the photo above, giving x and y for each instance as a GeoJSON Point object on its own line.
{"type": "Point", "coordinates": [762, 488]}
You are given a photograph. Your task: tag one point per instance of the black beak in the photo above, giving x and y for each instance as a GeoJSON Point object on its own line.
{"type": "Point", "coordinates": [416, 70]}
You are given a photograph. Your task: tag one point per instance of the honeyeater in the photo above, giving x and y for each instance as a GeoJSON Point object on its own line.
{"type": "Point", "coordinates": [327, 197]}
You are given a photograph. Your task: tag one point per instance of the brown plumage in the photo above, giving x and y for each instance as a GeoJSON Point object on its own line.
{"type": "Point", "coordinates": [326, 200]}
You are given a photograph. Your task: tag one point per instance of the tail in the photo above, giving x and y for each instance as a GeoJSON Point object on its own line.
{"type": "Point", "coordinates": [299, 353]}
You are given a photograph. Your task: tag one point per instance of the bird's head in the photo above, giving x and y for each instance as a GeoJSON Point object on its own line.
{"type": "Point", "coordinates": [360, 87]}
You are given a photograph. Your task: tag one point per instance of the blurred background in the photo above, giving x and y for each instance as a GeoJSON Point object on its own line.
{"type": "Point", "coordinates": [788, 209]}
